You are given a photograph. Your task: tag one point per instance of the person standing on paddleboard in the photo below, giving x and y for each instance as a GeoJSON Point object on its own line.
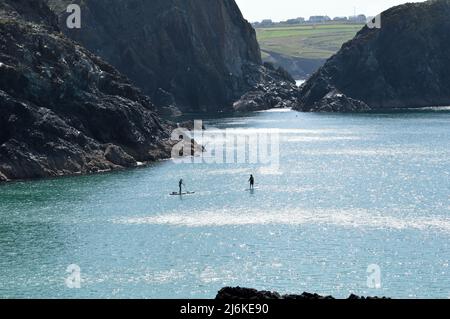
{"type": "Point", "coordinates": [252, 182]}
{"type": "Point", "coordinates": [180, 185]}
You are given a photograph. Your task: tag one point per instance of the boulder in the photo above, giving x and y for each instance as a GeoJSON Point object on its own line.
{"type": "Point", "coordinates": [116, 155]}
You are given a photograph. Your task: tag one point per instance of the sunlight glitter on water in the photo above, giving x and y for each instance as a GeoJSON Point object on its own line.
{"type": "Point", "coordinates": [350, 190]}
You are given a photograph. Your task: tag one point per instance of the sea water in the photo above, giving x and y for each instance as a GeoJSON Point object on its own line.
{"type": "Point", "coordinates": [351, 192]}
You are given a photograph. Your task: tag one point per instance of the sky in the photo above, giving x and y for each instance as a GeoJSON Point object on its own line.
{"type": "Point", "coordinates": [277, 10]}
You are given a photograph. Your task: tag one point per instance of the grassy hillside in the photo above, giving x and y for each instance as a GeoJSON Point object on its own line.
{"type": "Point", "coordinates": [306, 41]}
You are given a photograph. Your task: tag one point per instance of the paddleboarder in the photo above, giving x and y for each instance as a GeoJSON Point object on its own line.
{"type": "Point", "coordinates": [252, 182]}
{"type": "Point", "coordinates": [180, 185]}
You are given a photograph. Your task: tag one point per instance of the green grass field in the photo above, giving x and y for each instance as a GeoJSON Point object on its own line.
{"type": "Point", "coordinates": [306, 41]}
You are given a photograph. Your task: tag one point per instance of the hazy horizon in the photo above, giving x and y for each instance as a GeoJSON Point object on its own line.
{"type": "Point", "coordinates": [257, 10]}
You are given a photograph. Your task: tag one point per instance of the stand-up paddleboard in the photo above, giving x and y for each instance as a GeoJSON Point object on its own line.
{"type": "Point", "coordinates": [178, 194]}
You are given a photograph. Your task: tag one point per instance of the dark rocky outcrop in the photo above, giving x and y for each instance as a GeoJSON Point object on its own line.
{"type": "Point", "coordinates": [239, 293]}
{"type": "Point", "coordinates": [336, 101]}
{"type": "Point", "coordinates": [270, 87]}
{"type": "Point", "coordinates": [403, 64]}
{"type": "Point", "coordinates": [62, 109]}
{"type": "Point", "coordinates": [33, 11]}
{"type": "Point", "coordinates": [194, 55]}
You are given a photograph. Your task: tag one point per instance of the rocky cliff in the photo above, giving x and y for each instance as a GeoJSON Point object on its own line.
{"type": "Point", "coordinates": [403, 64]}
{"type": "Point", "coordinates": [195, 54]}
{"type": "Point", "coordinates": [62, 109]}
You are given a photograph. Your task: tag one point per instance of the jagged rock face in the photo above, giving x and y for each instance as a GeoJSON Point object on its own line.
{"type": "Point", "coordinates": [270, 88]}
{"type": "Point", "coordinates": [63, 110]}
{"type": "Point", "coordinates": [192, 49]}
{"type": "Point", "coordinates": [405, 63]}
{"type": "Point", "coordinates": [33, 11]}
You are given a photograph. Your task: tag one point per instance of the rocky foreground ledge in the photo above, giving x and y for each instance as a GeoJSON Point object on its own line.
{"type": "Point", "coordinates": [239, 293]}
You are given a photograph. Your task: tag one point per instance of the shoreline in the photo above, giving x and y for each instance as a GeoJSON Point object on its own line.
{"type": "Point", "coordinates": [141, 165]}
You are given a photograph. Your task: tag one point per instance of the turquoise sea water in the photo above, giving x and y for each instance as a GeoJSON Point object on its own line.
{"type": "Point", "coordinates": [350, 191]}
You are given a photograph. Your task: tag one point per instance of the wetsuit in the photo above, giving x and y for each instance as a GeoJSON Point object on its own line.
{"type": "Point", "coordinates": [180, 184]}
